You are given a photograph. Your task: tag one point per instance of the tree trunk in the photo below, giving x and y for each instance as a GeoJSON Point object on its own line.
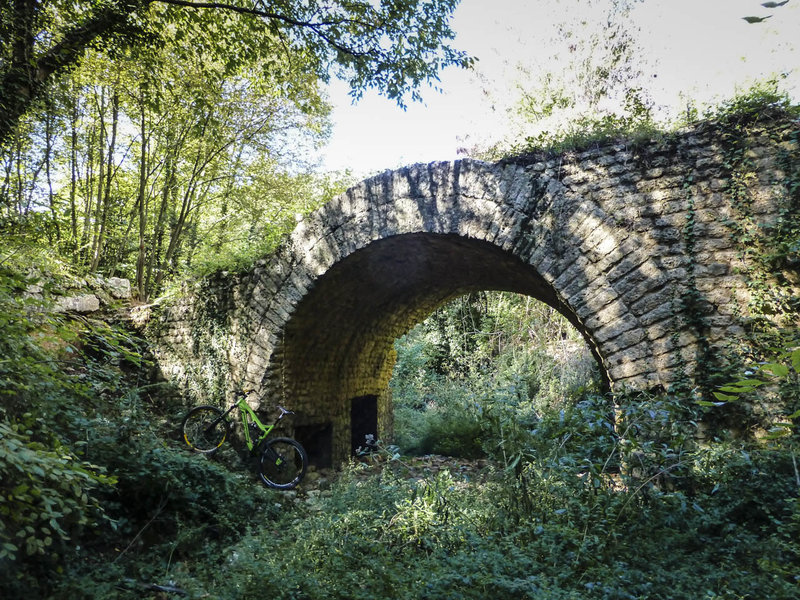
{"type": "Point", "coordinates": [73, 181]}
{"type": "Point", "coordinates": [102, 228]}
{"type": "Point", "coordinates": [88, 203]}
{"type": "Point", "coordinates": [101, 173]}
{"type": "Point", "coordinates": [51, 197]}
{"type": "Point", "coordinates": [24, 78]}
{"type": "Point", "coordinates": [158, 229]}
{"type": "Point", "coordinates": [140, 259]}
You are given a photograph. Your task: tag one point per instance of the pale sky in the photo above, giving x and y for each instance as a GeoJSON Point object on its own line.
{"type": "Point", "coordinates": [697, 49]}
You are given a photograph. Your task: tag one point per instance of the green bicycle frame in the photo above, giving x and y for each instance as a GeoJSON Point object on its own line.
{"type": "Point", "coordinates": [249, 416]}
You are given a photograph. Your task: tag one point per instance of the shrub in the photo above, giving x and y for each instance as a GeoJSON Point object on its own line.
{"type": "Point", "coordinates": [47, 494]}
{"type": "Point", "coordinates": [477, 357]}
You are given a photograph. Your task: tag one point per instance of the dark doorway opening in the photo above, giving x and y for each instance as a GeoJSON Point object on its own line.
{"type": "Point", "coordinates": [318, 443]}
{"type": "Point", "coordinates": [363, 421]}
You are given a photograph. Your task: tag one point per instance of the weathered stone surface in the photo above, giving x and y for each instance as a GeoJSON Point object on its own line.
{"type": "Point", "coordinates": [85, 303]}
{"type": "Point", "coordinates": [617, 240]}
{"type": "Point", "coordinates": [81, 295]}
{"type": "Point", "coordinates": [119, 288]}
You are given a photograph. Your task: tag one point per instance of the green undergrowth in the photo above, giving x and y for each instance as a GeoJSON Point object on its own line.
{"type": "Point", "coordinates": [569, 510]}
{"type": "Point", "coordinates": [92, 474]}
{"type": "Point", "coordinates": [479, 361]}
{"type": "Point", "coordinates": [599, 497]}
{"type": "Point", "coordinates": [635, 124]}
{"type": "Point", "coordinates": [580, 514]}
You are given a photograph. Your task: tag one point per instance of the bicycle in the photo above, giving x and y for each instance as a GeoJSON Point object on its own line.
{"type": "Point", "coordinates": [283, 460]}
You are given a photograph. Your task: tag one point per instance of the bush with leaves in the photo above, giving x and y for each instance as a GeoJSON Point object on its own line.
{"type": "Point", "coordinates": [46, 495]}
{"type": "Point", "coordinates": [782, 377]}
{"type": "Point", "coordinates": [50, 493]}
{"type": "Point", "coordinates": [86, 466]}
{"type": "Point", "coordinates": [728, 531]}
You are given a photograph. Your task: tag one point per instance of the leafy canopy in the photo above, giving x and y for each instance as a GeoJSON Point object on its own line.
{"type": "Point", "coordinates": [393, 46]}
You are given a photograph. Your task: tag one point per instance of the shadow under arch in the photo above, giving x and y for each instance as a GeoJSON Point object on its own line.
{"type": "Point", "coordinates": [337, 348]}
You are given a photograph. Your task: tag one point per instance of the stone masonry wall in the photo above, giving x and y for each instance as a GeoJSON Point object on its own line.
{"type": "Point", "coordinates": [640, 247]}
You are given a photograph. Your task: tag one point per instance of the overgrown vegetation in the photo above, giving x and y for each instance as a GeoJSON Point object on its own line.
{"type": "Point", "coordinates": [165, 140]}
{"type": "Point", "coordinates": [564, 522]}
{"type": "Point", "coordinates": [585, 496]}
{"type": "Point", "coordinates": [151, 140]}
{"type": "Point", "coordinates": [633, 122]}
{"type": "Point", "coordinates": [482, 358]}
{"type": "Point", "coordinates": [90, 473]}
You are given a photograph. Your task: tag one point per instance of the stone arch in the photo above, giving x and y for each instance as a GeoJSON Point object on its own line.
{"type": "Point", "coordinates": [631, 245]}
{"type": "Point", "coordinates": [370, 265]}
{"type": "Point", "coordinates": [338, 344]}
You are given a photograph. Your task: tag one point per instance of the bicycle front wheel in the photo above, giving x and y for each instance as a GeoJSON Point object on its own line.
{"type": "Point", "coordinates": [204, 429]}
{"type": "Point", "coordinates": [283, 463]}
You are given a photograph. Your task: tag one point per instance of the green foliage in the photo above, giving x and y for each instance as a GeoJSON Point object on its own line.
{"type": "Point", "coordinates": [491, 354]}
{"type": "Point", "coordinates": [760, 101]}
{"type": "Point", "coordinates": [85, 467]}
{"type": "Point", "coordinates": [584, 496]}
{"type": "Point", "coordinates": [780, 376]}
{"type": "Point", "coordinates": [46, 494]}
{"type": "Point", "coordinates": [394, 47]}
{"type": "Point", "coordinates": [28, 371]}
{"type": "Point", "coordinates": [634, 122]}
{"type": "Point", "coordinates": [215, 162]}
{"type": "Point", "coordinates": [254, 228]}
{"type": "Point", "coordinates": [592, 495]}
{"type": "Point", "coordinates": [182, 137]}
{"type": "Point", "coordinates": [50, 492]}
{"type": "Point", "coordinates": [582, 517]}
{"type": "Point", "coordinates": [451, 422]}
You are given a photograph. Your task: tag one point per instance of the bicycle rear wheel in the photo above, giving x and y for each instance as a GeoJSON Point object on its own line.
{"type": "Point", "coordinates": [204, 429]}
{"type": "Point", "coordinates": [283, 463]}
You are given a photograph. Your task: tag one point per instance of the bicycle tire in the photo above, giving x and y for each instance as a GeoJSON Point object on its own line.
{"type": "Point", "coordinates": [283, 463]}
{"type": "Point", "coordinates": [203, 430]}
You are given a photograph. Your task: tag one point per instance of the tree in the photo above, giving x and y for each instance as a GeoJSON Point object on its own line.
{"type": "Point", "coordinates": [394, 47]}
{"type": "Point", "coordinates": [192, 138]}
{"type": "Point", "coordinates": [585, 72]}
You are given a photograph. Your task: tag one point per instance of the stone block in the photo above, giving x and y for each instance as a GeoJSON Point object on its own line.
{"type": "Point", "coordinates": [84, 303]}
{"type": "Point", "coordinates": [614, 330]}
{"type": "Point", "coordinates": [624, 341]}
{"type": "Point", "coordinates": [119, 288]}
{"type": "Point", "coordinates": [628, 367]}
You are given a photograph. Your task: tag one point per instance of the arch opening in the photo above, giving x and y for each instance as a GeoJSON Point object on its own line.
{"type": "Point", "coordinates": [480, 356]}
{"type": "Point", "coordinates": [342, 332]}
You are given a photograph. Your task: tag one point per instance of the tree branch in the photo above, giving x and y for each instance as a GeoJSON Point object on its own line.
{"type": "Point", "coordinates": [22, 83]}
{"type": "Point", "coordinates": [246, 11]}
{"type": "Point", "coordinates": [316, 26]}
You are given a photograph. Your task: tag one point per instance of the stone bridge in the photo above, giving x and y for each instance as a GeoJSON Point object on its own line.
{"type": "Point", "coordinates": [646, 248]}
